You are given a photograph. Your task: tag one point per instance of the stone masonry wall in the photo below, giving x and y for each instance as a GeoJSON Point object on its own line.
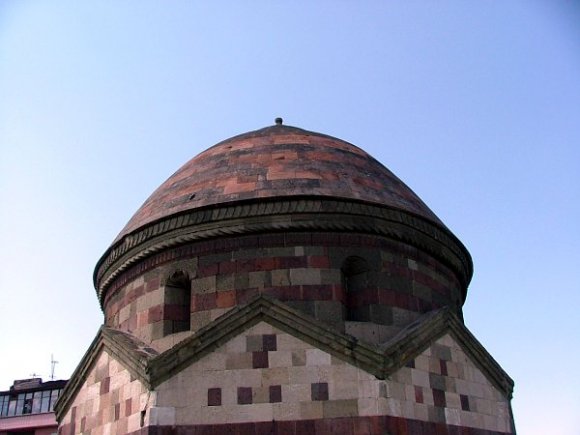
{"type": "Point", "coordinates": [302, 269]}
{"type": "Point", "coordinates": [265, 375]}
{"type": "Point", "coordinates": [109, 402]}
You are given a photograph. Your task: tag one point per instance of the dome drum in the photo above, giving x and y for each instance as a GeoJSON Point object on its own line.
{"type": "Point", "coordinates": [307, 270]}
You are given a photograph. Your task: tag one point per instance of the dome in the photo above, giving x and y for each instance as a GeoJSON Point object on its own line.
{"type": "Point", "coordinates": [279, 179]}
{"type": "Point", "coordinates": [277, 161]}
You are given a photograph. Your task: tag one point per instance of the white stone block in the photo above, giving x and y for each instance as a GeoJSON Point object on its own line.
{"type": "Point", "coordinates": [368, 406]}
{"type": "Point", "coordinates": [420, 378]}
{"type": "Point", "coordinates": [453, 416]}
{"type": "Point", "coordinates": [316, 357]}
{"type": "Point", "coordinates": [160, 416]}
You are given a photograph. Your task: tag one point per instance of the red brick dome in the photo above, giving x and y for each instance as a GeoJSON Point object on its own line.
{"type": "Point", "coordinates": [277, 161]}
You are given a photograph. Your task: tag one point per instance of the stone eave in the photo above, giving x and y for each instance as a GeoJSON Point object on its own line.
{"type": "Point", "coordinates": [299, 213]}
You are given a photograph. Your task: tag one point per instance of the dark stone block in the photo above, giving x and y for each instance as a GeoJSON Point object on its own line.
{"type": "Point", "coordinates": [464, 402]}
{"type": "Point", "coordinates": [437, 381]}
{"type": "Point", "coordinates": [244, 395]}
{"type": "Point", "coordinates": [275, 393]}
{"type": "Point", "coordinates": [443, 365]}
{"type": "Point", "coordinates": [319, 391]}
{"type": "Point", "coordinates": [439, 398]}
{"type": "Point", "coordinates": [441, 352]}
{"type": "Point", "coordinates": [214, 397]}
{"type": "Point", "coordinates": [381, 314]}
{"type": "Point", "coordinates": [269, 342]}
{"type": "Point", "coordinates": [245, 295]}
{"type": "Point", "coordinates": [305, 427]}
{"type": "Point", "coordinates": [282, 427]}
{"type": "Point", "coordinates": [328, 311]}
{"type": "Point", "coordinates": [259, 360]}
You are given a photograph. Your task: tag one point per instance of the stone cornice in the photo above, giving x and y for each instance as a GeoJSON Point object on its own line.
{"type": "Point", "coordinates": [283, 214]}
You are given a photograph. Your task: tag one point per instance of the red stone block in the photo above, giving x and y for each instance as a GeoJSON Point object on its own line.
{"type": "Point", "coordinates": [227, 267]}
{"type": "Point", "coordinates": [246, 265]}
{"type": "Point", "coordinates": [317, 292]}
{"type": "Point", "coordinates": [139, 291]}
{"type": "Point", "coordinates": [265, 428]}
{"type": "Point", "coordinates": [282, 427]}
{"type": "Point", "coordinates": [266, 263]}
{"type": "Point", "coordinates": [152, 284]}
{"type": "Point", "coordinates": [441, 428]}
{"type": "Point", "coordinates": [226, 299]}
{"type": "Point", "coordinates": [128, 411]}
{"type": "Point", "coordinates": [208, 270]}
{"type": "Point", "coordinates": [342, 425]}
{"type": "Point", "coordinates": [285, 293]}
{"type": "Point", "coordinates": [305, 427]}
{"type": "Point", "coordinates": [362, 426]}
{"type": "Point", "coordinates": [292, 262]}
{"type": "Point", "coordinates": [318, 261]}
{"type": "Point", "coordinates": [205, 301]}
{"type": "Point", "coordinates": [418, 394]}
{"type": "Point", "coordinates": [104, 387]}
{"type": "Point", "coordinates": [155, 314]}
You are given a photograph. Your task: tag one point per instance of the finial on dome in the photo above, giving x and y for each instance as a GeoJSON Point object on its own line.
{"type": "Point", "coordinates": [278, 121]}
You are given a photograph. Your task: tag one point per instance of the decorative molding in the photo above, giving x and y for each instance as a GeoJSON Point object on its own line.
{"type": "Point", "coordinates": [284, 214]}
{"type": "Point", "coordinates": [152, 368]}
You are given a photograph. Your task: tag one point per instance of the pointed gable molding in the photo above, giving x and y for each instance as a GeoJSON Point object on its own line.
{"type": "Point", "coordinates": [419, 335]}
{"type": "Point", "coordinates": [152, 368]}
{"type": "Point", "coordinates": [279, 315]}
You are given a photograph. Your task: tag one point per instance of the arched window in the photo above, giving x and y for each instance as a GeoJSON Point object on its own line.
{"type": "Point", "coordinates": [354, 280]}
{"type": "Point", "coordinates": [178, 302]}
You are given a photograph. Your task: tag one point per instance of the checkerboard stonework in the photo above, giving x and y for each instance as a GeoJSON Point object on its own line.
{"type": "Point", "coordinates": [283, 281]}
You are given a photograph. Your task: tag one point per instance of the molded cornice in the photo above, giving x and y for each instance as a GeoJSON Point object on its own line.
{"type": "Point", "coordinates": [284, 214]}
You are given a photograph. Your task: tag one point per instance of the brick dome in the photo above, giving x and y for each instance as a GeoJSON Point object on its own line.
{"type": "Point", "coordinates": [277, 161]}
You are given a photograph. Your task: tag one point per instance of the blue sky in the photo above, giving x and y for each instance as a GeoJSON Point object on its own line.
{"type": "Point", "coordinates": [475, 105]}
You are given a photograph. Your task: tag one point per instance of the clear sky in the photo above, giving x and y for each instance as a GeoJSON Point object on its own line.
{"type": "Point", "coordinates": [475, 105]}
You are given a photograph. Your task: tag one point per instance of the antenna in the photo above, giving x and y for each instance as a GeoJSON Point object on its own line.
{"type": "Point", "coordinates": [53, 363]}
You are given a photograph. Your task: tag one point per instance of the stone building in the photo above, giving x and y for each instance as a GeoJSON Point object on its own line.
{"type": "Point", "coordinates": [27, 408]}
{"type": "Point", "coordinates": [284, 281]}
